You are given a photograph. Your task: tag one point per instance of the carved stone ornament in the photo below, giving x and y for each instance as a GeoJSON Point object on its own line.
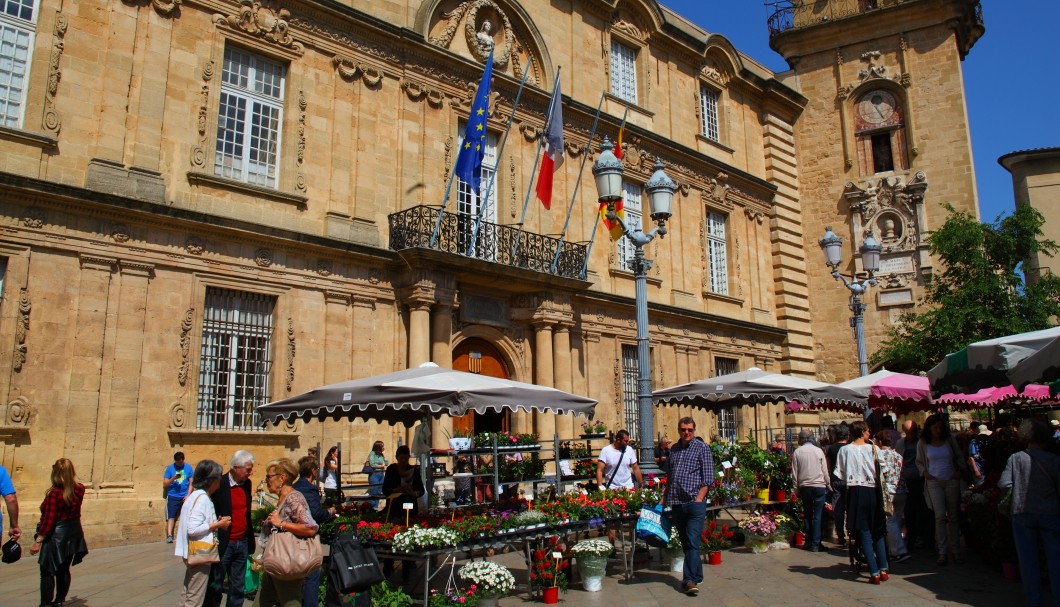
{"type": "Point", "coordinates": [324, 267]}
{"type": "Point", "coordinates": [261, 20]}
{"type": "Point", "coordinates": [186, 326]}
{"type": "Point", "coordinates": [194, 245]}
{"type": "Point", "coordinates": [19, 413]}
{"type": "Point", "coordinates": [33, 217]}
{"type": "Point", "coordinates": [120, 232]}
{"type": "Point", "coordinates": [52, 121]}
{"type": "Point", "coordinates": [162, 7]}
{"type": "Point", "coordinates": [263, 257]}
{"type": "Point", "coordinates": [481, 18]}
{"type": "Point", "coordinates": [891, 210]}
{"type": "Point", "coordinates": [349, 70]}
{"type": "Point", "coordinates": [198, 151]}
{"type": "Point", "coordinates": [418, 92]}
{"type": "Point", "coordinates": [21, 330]}
{"type": "Point", "coordinates": [178, 417]}
{"type": "Point", "coordinates": [290, 353]}
{"type": "Point", "coordinates": [300, 180]}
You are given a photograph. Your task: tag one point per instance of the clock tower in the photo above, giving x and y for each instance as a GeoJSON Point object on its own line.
{"type": "Point", "coordinates": [883, 144]}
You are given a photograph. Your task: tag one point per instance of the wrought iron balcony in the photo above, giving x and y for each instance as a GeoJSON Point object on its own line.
{"type": "Point", "coordinates": [791, 14]}
{"type": "Point", "coordinates": [502, 244]}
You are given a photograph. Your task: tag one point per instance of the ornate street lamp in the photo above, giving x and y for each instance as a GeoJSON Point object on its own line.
{"type": "Point", "coordinates": [608, 173]}
{"type": "Point", "coordinates": [832, 246]}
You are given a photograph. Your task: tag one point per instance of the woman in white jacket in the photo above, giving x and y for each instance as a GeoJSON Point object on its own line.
{"type": "Point", "coordinates": [198, 521]}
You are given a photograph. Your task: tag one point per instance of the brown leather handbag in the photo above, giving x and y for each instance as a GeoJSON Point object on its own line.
{"type": "Point", "coordinates": [289, 557]}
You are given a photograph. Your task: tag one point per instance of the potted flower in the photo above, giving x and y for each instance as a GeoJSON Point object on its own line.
{"type": "Point", "coordinates": [460, 440]}
{"type": "Point", "coordinates": [489, 581]}
{"type": "Point", "coordinates": [452, 597]}
{"type": "Point", "coordinates": [548, 569]}
{"type": "Point", "coordinates": [592, 562]}
{"type": "Point", "coordinates": [716, 538]}
{"type": "Point", "coordinates": [675, 551]}
{"type": "Point", "coordinates": [593, 429]}
{"type": "Point", "coordinates": [759, 528]}
{"type": "Point", "coordinates": [417, 539]}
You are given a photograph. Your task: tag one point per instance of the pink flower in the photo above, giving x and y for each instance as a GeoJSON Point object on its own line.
{"type": "Point", "coordinates": [461, 600]}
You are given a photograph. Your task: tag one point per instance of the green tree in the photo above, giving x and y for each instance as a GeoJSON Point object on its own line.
{"type": "Point", "coordinates": [980, 292]}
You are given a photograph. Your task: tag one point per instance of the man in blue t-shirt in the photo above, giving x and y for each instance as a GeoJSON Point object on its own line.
{"type": "Point", "coordinates": [175, 479]}
{"type": "Point", "coordinates": [7, 490]}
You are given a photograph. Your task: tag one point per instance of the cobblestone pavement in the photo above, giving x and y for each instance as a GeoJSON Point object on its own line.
{"type": "Point", "coordinates": [148, 574]}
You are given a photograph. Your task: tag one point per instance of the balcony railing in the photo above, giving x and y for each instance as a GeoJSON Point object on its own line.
{"type": "Point", "coordinates": [502, 244]}
{"type": "Point", "coordinates": [791, 14]}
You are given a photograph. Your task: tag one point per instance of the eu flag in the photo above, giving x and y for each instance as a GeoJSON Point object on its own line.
{"type": "Point", "coordinates": [469, 162]}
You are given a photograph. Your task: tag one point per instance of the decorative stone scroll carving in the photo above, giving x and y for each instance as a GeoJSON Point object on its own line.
{"type": "Point", "coordinates": [263, 257]}
{"type": "Point", "coordinates": [299, 180]}
{"type": "Point", "coordinates": [290, 353]}
{"type": "Point", "coordinates": [324, 267]}
{"type": "Point", "coordinates": [162, 7]}
{"type": "Point", "coordinates": [479, 31]}
{"type": "Point", "coordinates": [185, 345]}
{"type": "Point", "coordinates": [52, 120]}
{"type": "Point", "coordinates": [21, 330]}
{"type": "Point", "coordinates": [198, 152]}
{"type": "Point", "coordinates": [194, 245]}
{"type": "Point", "coordinates": [19, 414]}
{"type": "Point", "coordinates": [119, 232]}
{"type": "Point", "coordinates": [178, 418]}
{"type": "Point", "coordinates": [873, 70]}
{"type": "Point", "coordinates": [418, 92]}
{"type": "Point", "coordinates": [262, 21]}
{"type": "Point", "coordinates": [33, 217]}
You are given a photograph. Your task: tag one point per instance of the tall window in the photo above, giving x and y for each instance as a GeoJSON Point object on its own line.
{"type": "Point", "coordinates": [623, 72]}
{"type": "Point", "coordinates": [17, 26]}
{"type": "Point", "coordinates": [716, 254]}
{"type": "Point", "coordinates": [631, 194]}
{"type": "Point", "coordinates": [235, 359]}
{"type": "Point", "coordinates": [630, 374]}
{"type": "Point", "coordinates": [469, 203]}
{"type": "Point", "coordinates": [708, 110]}
{"type": "Point", "coordinates": [726, 417]}
{"type": "Point", "coordinates": [248, 122]}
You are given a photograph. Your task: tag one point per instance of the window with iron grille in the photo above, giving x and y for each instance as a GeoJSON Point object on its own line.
{"type": "Point", "coordinates": [708, 110]}
{"type": "Point", "coordinates": [634, 218]}
{"type": "Point", "coordinates": [716, 254]}
{"type": "Point", "coordinates": [623, 72]}
{"type": "Point", "coordinates": [249, 118]}
{"type": "Point", "coordinates": [17, 28]}
{"type": "Point", "coordinates": [630, 374]}
{"type": "Point", "coordinates": [236, 357]}
{"type": "Point", "coordinates": [726, 417]}
{"type": "Point", "coordinates": [469, 202]}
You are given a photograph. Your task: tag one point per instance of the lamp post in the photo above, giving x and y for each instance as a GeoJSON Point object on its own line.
{"type": "Point", "coordinates": [607, 170]}
{"type": "Point", "coordinates": [832, 246]}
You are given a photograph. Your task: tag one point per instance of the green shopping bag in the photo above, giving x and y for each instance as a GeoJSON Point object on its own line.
{"type": "Point", "coordinates": [252, 580]}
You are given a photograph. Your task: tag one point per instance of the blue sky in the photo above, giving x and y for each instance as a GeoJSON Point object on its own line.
{"type": "Point", "coordinates": [1011, 91]}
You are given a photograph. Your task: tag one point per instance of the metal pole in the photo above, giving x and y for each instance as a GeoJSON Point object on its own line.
{"type": "Point", "coordinates": [645, 427]}
{"type": "Point", "coordinates": [858, 323]}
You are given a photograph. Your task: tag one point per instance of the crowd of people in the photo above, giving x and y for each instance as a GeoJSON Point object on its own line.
{"type": "Point", "coordinates": [893, 492]}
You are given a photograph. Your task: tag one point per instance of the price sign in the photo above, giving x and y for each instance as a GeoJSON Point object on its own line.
{"type": "Point", "coordinates": [407, 506]}
{"type": "Point", "coordinates": [557, 555]}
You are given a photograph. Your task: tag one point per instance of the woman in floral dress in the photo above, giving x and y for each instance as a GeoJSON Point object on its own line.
{"type": "Point", "coordinates": [894, 489]}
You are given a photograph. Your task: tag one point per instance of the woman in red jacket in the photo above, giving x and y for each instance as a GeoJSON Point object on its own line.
{"type": "Point", "coordinates": [59, 538]}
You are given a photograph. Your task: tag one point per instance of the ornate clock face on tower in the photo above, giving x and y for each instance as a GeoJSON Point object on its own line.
{"type": "Point", "coordinates": [877, 107]}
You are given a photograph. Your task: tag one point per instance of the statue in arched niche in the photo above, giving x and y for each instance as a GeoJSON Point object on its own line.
{"type": "Point", "coordinates": [483, 37]}
{"type": "Point", "coordinates": [486, 28]}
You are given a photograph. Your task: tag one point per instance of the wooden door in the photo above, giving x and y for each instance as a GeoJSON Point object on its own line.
{"type": "Point", "coordinates": [479, 356]}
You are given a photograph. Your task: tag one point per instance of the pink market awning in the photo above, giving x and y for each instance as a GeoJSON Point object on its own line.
{"type": "Point", "coordinates": [988, 397]}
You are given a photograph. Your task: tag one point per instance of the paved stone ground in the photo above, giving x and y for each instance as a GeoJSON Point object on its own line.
{"type": "Point", "coordinates": [148, 574]}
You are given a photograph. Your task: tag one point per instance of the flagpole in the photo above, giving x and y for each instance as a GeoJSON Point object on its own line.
{"type": "Point", "coordinates": [485, 199]}
{"type": "Point", "coordinates": [577, 182]}
{"type": "Point", "coordinates": [533, 171]}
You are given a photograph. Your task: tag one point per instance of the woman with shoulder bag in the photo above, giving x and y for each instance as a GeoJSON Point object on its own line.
{"type": "Point", "coordinates": [290, 516]}
{"type": "Point", "coordinates": [857, 466]}
{"type": "Point", "coordinates": [939, 460]}
{"type": "Point", "coordinates": [195, 541]}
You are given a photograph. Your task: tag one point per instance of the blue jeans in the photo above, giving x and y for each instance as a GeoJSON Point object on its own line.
{"type": "Point", "coordinates": [1032, 532]}
{"type": "Point", "coordinates": [875, 551]}
{"type": "Point", "coordinates": [813, 503]}
{"type": "Point", "coordinates": [311, 592]}
{"type": "Point", "coordinates": [234, 565]}
{"type": "Point", "coordinates": [839, 512]}
{"type": "Point", "coordinates": [688, 519]}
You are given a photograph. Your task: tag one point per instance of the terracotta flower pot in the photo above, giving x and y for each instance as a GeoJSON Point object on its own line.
{"type": "Point", "coordinates": [551, 595]}
{"type": "Point", "coordinates": [799, 540]}
{"type": "Point", "coordinates": [714, 558]}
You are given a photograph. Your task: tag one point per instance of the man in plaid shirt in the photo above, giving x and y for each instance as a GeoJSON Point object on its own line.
{"type": "Point", "coordinates": [690, 473]}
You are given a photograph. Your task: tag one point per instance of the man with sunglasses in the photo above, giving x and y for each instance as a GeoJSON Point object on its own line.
{"type": "Point", "coordinates": [689, 474]}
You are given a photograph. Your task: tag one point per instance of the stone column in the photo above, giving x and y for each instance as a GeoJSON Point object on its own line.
{"type": "Point", "coordinates": [86, 414]}
{"type": "Point", "coordinates": [544, 421]}
{"type": "Point", "coordinates": [419, 332]}
{"type": "Point", "coordinates": [337, 342]}
{"type": "Point", "coordinates": [561, 349]}
{"type": "Point", "coordinates": [442, 355]}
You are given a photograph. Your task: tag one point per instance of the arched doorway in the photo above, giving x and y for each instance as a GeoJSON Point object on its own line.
{"type": "Point", "coordinates": [479, 356]}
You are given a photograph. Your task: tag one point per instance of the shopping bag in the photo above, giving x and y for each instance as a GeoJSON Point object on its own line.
{"type": "Point", "coordinates": [251, 580]}
{"type": "Point", "coordinates": [653, 527]}
{"type": "Point", "coordinates": [353, 565]}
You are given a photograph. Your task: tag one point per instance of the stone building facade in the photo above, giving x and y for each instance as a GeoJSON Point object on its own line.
{"type": "Point", "coordinates": [211, 204]}
{"type": "Point", "coordinates": [1036, 182]}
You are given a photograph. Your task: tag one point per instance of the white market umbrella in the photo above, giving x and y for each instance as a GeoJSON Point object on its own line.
{"type": "Point", "coordinates": [985, 363]}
